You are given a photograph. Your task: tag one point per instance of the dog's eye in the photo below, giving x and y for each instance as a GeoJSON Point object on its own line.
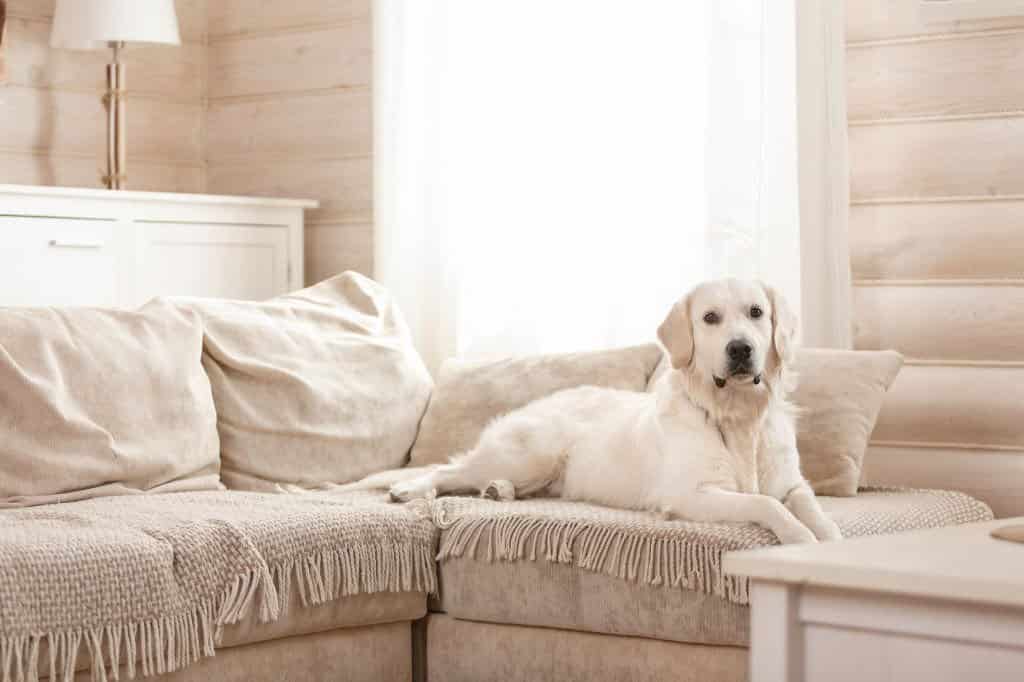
{"type": "Point", "coordinates": [711, 318]}
{"type": "Point", "coordinates": [756, 312]}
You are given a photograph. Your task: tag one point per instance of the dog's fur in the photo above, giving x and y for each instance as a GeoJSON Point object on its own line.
{"type": "Point", "coordinates": [714, 441]}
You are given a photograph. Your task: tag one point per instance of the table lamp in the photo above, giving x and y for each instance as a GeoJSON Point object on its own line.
{"type": "Point", "coordinates": [99, 24]}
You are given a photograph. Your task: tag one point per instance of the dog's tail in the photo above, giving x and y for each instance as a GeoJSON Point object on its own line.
{"type": "Point", "coordinates": [383, 480]}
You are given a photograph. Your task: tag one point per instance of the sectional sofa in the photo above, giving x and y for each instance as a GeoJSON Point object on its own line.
{"type": "Point", "coordinates": [167, 507]}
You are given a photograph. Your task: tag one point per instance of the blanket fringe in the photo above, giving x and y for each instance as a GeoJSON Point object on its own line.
{"type": "Point", "coordinates": [161, 645]}
{"type": "Point", "coordinates": [617, 552]}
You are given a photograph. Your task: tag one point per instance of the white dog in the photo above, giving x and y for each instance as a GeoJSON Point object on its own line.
{"type": "Point", "coordinates": [714, 441]}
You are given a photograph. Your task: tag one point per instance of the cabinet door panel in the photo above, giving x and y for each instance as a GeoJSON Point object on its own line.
{"type": "Point", "coordinates": [211, 260]}
{"type": "Point", "coordinates": [57, 262]}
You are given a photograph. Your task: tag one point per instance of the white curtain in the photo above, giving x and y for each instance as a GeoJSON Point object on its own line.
{"type": "Point", "coordinates": [553, 174]}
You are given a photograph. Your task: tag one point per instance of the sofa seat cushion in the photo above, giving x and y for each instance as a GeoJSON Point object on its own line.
{"type": "Point", "coordinates": [172, 577]}
{"type": "Point", "coordinates": [575, 566]}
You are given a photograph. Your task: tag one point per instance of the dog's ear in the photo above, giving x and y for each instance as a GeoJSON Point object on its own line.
{"type": "Point", "coordinates": [676, 334]}
{"type": "Point", "coordinates": [784, 325]}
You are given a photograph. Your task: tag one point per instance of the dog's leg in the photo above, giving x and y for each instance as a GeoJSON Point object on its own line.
{"type": "Point", "coordinates": [514, 461]}
{"type": "Point", "coordinates": [804, 505]}
{"type": "Point", "coordinates": [454, 477]}
{"type": "Point", "coordinates": [472, 472]}
{"type": "Point", "coordinates": [715, 504]}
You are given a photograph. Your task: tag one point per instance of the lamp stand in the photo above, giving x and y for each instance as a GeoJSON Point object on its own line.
{"type": "Point", "coordinates": [116, 177]}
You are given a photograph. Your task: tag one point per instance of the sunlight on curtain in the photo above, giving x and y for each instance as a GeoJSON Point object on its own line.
{"type": "Point", "coordinates": [553, 174]}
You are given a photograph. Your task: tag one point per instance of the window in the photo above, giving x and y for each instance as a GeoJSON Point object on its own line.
{"type": "Point", "coordinates": [553, 175]}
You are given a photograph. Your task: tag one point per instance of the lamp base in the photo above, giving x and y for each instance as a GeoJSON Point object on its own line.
{"type": "Point", "coordinates": [116, 177]}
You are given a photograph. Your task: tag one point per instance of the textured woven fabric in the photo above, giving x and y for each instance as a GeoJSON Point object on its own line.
{"type": "Point", "coordinates": [639, 546]}
{"type": "Point", "coordinates": [153, 578]}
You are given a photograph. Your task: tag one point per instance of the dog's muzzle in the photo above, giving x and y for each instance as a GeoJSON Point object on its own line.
{"type": "Point", "coordinates": [720, 382]}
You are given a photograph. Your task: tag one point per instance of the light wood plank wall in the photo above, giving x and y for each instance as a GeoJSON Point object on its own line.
{"type": "Point", "coordinates": [937, 243]}
{"type": "Point", "coordinates": [290, 113]}
{"type": "Point", "coordinates": [52, 118]}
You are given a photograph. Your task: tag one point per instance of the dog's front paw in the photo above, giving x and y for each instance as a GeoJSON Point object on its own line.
{"type": "Point", "coordinates": [796, 533]}
{"type": "Point", "coordinates": [407, 491]}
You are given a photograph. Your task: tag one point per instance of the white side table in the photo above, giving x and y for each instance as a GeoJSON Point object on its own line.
{"type": "Point", "coordinates": [937, 605]}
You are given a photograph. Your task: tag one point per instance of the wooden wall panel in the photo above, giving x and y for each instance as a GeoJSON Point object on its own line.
{"type": "Point", "coordinates": [233, 17]}
{"type": "Point", "coordinates": [951, 240]}
{"type": "Point", "coordinates": [972, 157]}
{"type": "Point", "coordinates": [937, 249]}
{"type": "Point", "coordinates": [290, 113]}
{"type": "Point", "coordinates": [53, 122]}
{"type": "Point", "coordinates": [74, 122]}
{"type": "Point", "coordinates": [294, 61]}
{"type": "Point", "coordinates": [993, 477]}
{"type": "Point", "coordinates": [335, 248]}
{"type": "Point", "coordinates": [983, 73]}
{"type": "Point", "coordinates": [889, 19]}
{"type": "Point", "coordinates": [947, 322]}
{"type": "Point", "coordinates": [175, 73]}
{"type": "Point", "coordinates": [21, 168]}
{"type": "Point", "coordinates": [307, 127]}
{"type": "Point", "coordinates": [971, 406]}
{"type": "Point", "coordinates": [343, 186]}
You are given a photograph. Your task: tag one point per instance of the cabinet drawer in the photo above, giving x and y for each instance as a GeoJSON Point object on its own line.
{"type": "Point", "coordinates": [57, 262]}
{"type": "Point", "coordinates": [242, 262]}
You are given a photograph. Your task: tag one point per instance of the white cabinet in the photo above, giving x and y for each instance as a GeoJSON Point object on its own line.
{"type": "Point", "coordinates": [41, 257]}
{"type": "Point", "coordinates": [61, 246]}
{"type": "Point", "coordinates": [223, 261]}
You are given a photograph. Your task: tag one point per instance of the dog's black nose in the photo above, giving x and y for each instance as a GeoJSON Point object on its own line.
{"type": "Point", "coordinates": [738, 350]}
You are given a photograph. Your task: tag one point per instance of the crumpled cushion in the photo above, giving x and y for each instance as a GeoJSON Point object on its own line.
{"type": "Point", "coordinates": [550, 563]}
{"type": "Point", "coordinates": [100, 402]}
{"type": "Point", "coordinates": [315, 387]}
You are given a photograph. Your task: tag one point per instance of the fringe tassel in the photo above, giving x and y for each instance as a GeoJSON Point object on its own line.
{"type": "Point", "coordinates": [617, 552]}
{"type": "Point", "coordinates": [162, 645]}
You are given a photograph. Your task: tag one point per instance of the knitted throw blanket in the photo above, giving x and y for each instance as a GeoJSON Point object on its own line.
{"type": "Point", "coordinates": [150, 579]}
{"type": "Point", "coordinates": [639, 546]}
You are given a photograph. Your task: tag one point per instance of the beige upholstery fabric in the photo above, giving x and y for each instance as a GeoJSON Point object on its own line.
{"type": "Point", "coordinates": [469, 395]}
{"type": "Point", "coordinates": [377, 653]}
{"type": "Point", "coordinates": [839, 395]}
{"type": "Point", "coordinates": [465, 651]}
{"type": "Point", "coordinates": [163, 573]}
{"type": "Point", "coordinates": [297, 620]}
{"type": "Point", "coordinates": [642, 548]}
{"type": "Point", "coordinates": [103, 402]}
{"type": "Point", "coordinates": [318, 386]}
{"type": "Point", "coordinates": [353, 611]}
{"type": "Point", "coordinates": [549, 594]}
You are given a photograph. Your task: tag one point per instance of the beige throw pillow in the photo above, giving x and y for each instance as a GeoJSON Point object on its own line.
{"type": "Point", "coordinates": [315, 387]}
{"type": "Point", "coordinates": [839, 396]}
{"type": "Point", "coordinates": [103, 402]}
{"type": "Point", "coordinates": [469, 395]}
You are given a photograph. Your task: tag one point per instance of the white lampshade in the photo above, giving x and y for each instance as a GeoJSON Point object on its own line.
{"type": "Point", "coordinates": [92, 24]}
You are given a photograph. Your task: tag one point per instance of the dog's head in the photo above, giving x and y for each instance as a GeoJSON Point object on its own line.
{"type": "Point", "coordinates": [733, 332]}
